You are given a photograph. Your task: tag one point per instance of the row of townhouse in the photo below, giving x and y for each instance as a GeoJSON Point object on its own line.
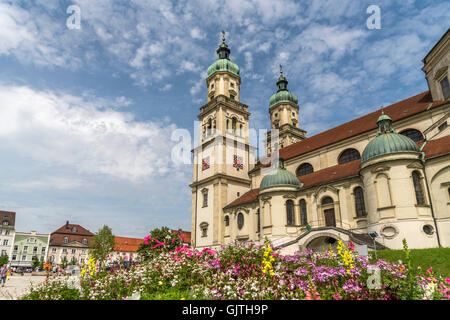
{"type": "Point", "coordinates": [70, 243]}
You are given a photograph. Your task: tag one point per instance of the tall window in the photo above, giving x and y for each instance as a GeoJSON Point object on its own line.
{"type": "Point", "coordinates": [303, 213]}
{"type": "Point", "coordinates": [205, 197]}
{"type": "Point", "coordinates": [413, 134]}
{"type": "Point", "coordinates": [349, 155]}
{"type": "Point", "coordinates": [258, 217]}
{"type": "Point", "coordinates": [418, 188]}
{"type": "Point", "coordinates": [66, 240]}
{"type": "Point", "coordinates": [290, 213]}
{"type": "Point", "coordinates": [445, 88]}
{"type": "Point", "coordinates": [233, 124]}
{"type": "Point", "coordinates": [240, 220]}
{"type": "Point", "coordinates": [227, 221]}
{"type": "Point", "coordinates": [304, 169]}
{"type": "Point", "coordinates": [359, 202]}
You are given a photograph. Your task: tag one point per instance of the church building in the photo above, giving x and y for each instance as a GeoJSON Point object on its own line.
{"type": "Point", "coordinates": [386, 173]}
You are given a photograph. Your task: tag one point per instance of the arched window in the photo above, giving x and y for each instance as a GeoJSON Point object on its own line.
{"type": "Point", "coordinates": [413, 134]}
{"type": "Point", "coordinates": [84, 241]}
{"type": "Point", "coordinates": [349, 155]}
{"type": "Point", "coordinates": [290, 213]}
{"type": "Point", "coordinates": [228, 124]}
{"type": "Point", "coordinates": [208, 132]}
{"type": "Point", "coordinates": [327, 200]}
{"type": "Point", "coordinates": [233, 124]}
{"type": "Point", "coordinates": [5, 223]}
{"type": "Point", "coordinates": [304, 169]}
{"type": "Point", "coordinates": [359, 202]}
{"type": "Point", "coordinates": [303, 213]}
{"type": "Point", "coordinates": [418, 188]}
{"type": "Point", "coordinates": [240, 220]}
{"type": "Point", "coordinates": [66, 240]}
{"type": "Point", "coordinates": [227, 221]}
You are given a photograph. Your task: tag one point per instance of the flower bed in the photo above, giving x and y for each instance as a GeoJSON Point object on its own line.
{"type": "Point", "coordinates": [249, 271]}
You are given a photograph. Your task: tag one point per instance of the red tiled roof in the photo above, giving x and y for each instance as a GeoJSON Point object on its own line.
{"type": "Point", "coordinates": [333, 173]}
{"type": "Point", "coordinates": [437, 147]}
{"type": "Point", "coordinates": [186, 235]}
{"type": "Point", "coordinates": [247, 197]}
{"type": "Point", "coordinates": [396, 111]}
{"type": "Point", "coordinates": [57, 237]}
{"type": "Point", "coordinates": [67, 229]}
{"type": "Point", "coordinates": [124, 244]}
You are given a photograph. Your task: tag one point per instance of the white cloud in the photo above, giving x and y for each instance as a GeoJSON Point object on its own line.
{"type": "Point", "coordinates": [80, 133]}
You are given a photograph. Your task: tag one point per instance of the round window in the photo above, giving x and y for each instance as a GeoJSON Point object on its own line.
{"type": "Point", "coordinates": [428, 229]}
{"type": "Point", "coordinates": [389, 232]}
{"type": "Point", "coordinates": [240, 220]}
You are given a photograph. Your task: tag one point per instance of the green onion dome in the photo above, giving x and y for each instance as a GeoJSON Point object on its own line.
{"type": "Point", "coordinates": [280, 178]}
{"type": "Point", "coordinates": [283, 94]}
{"type": "Point", "coordinates": [388, 141]}
{"type": "Point", "coordinates": [223, 63]}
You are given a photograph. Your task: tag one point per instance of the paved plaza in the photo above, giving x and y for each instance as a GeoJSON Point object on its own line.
{"type": "Point", "coordinates": [16, 286]}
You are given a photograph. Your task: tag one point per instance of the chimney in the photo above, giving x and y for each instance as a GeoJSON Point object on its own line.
{"type": "Point", "coordinates": [67, 224]}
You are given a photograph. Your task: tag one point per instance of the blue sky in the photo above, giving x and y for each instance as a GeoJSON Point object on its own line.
{"type": "Point", "coordinates": [86, 115]}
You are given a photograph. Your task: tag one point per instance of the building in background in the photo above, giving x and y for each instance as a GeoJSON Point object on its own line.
{"type": "Point", "coordinates": [71, 244]}
{"type": "Point", "coordinates": [126, 248]}
{"type": "Point", "coordinates": [185, 235]}
{"type": "Point", "coordinates": [26, 246]}
{"type": "Point", "coordinates": [7, 231]}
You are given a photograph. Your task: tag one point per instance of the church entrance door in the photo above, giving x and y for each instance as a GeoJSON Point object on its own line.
{"type": "Point", "coordinates": [330, 219]}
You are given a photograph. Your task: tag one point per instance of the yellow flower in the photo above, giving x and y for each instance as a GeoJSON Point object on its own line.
{"type": "Point", "coordinates": [160, 283]}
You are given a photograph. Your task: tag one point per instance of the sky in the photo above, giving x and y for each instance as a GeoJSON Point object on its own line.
{"type": "Point", "coordinates": [87, 114]}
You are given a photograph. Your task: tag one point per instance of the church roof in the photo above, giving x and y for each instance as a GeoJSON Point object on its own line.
{"type": "Point", "coordinates": [247, 197]}
{"type": "Point", "coordinates": [436, 148]}
{"type": "Point", "coordinates": [397, 111]}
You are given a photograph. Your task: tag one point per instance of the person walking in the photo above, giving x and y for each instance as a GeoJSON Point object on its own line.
{"type": "Point", "coordinates": [3, 273]}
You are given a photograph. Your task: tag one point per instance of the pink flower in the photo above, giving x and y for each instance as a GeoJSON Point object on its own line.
{"type": "Point", "coordinates": [429, 270]}
{"type": "Point", "coordinates": [447, 280]}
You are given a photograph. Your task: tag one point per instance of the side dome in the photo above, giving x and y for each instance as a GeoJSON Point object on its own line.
{"type": "Point", "coordinates": [280, 178]}
{"type": "Point", "coordinates": [387, 141]}
{"type": "Point", "coordinates": [223, 65]}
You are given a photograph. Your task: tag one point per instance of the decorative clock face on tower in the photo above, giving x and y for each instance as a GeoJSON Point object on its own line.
{"type": "Point", "coordinates": [238, 162]}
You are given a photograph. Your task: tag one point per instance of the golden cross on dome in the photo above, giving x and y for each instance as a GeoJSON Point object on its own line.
{"type": "Point", "coordinates": [281, 69]}
{"type": "Point", "coordinates": [223, 36]}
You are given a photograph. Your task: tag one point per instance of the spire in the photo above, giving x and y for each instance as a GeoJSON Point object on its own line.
{"type": "Point", "coordinates": [282, 81]}
{"type": "Point", "coordinates": [223, 51]}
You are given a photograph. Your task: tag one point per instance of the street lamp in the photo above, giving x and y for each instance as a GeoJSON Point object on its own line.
{"type": "Point", "coordinates": [373, 235]}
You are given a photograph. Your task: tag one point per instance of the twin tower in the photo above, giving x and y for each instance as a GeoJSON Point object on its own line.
{"type": "Point", "coordinates": [224, 156]}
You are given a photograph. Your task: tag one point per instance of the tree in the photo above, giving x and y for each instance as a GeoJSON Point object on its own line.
{"type": "Point", "coordinates": [103, 244]}
{"type": "Point", "coordinates": [159, 240]}
{"type": "Point", "coordinates": [64, 262]}
{"type": "Point", "coordinates": [35, 262]}
{"type": "Point", "coordinates": [4, 259]}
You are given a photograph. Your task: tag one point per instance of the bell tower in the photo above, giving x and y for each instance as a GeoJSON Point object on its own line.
{"type": "Point", "coordinates": [223, 156]}
{"type": "Point", "coordinates": [284, 115]}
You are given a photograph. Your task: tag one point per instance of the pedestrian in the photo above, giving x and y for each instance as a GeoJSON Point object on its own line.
{"type": "Point", "coordinates": [3, 273]}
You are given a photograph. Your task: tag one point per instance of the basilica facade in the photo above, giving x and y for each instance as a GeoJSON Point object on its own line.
{"type": "Point", "coordinates": [386, 172]}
